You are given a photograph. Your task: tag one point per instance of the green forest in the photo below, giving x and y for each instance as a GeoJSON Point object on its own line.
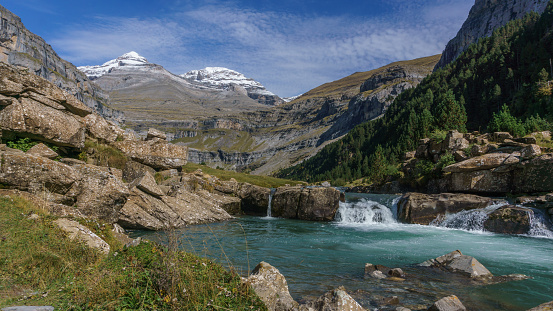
{"type": "Point", "coordinates": [501, 83]}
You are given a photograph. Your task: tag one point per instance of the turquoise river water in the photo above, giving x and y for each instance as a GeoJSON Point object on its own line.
{"type": "Point", "coordinates": [316, 257]}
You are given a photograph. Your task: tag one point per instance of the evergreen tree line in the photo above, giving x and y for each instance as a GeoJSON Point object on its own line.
{"type": "Point", "coordinates": [500, 83]}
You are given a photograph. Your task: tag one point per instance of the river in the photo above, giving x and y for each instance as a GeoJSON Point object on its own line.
{"type": "Point", "coordinates": [316, 257]}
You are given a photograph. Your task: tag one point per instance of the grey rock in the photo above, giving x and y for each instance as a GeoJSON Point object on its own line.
{"type": "Point", "coordinates": [147, 184]}
{"type": "Point", "coordinates": [450, 303]}
{"type": "Point", "coordinates": [509, 220]}
{"type": "Point", "coordinates": [42, 150]}
{"type": "Point", "coordinates": [456, 262]}
{"type": "Point", "coordinates": [155, 134]}
{"type": "Point", "coordinates": [77, 231]}
{"type": "Point", "coordinates": [318, 204]}
{"type": "Point", "coordinates": [271, 287]}
{"type": "Point", "coordinates": [336, 300]}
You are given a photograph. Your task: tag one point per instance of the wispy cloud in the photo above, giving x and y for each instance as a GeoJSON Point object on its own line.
{"type": "Point", "coordinates": [289, 53]}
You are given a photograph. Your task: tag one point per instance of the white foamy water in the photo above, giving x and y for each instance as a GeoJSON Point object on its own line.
{"type": "Point", "coordinates": [364, 212]}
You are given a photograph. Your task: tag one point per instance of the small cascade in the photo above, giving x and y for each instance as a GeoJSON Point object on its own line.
{"type": "Point", "coordinates": [471, 220]}
{"type": "Point", "coordinates": [273, 190]}
{"type": "Point", "coordinates": [540, 225]}
{"type": "Point", "coordinates": [364, 212]}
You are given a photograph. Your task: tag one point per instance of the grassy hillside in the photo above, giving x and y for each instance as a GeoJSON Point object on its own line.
{"type": "Point", "coordinates": [40, 266]}
{"type": "Point", "coordinates": [511, 69]}
{"type": "Point", "coordinates": [350, 84]}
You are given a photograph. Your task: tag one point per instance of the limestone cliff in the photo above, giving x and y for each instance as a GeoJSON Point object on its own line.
{"type": "Point", "coordinates": [484, 17]}
{"type": "Point", "coordinates": [22, 48]}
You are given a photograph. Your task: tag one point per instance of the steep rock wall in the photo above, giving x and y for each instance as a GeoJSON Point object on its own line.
{"type": "Point", "coordinates": [484, 17]}
{"type": "Point", "coordinates": [22, 48]}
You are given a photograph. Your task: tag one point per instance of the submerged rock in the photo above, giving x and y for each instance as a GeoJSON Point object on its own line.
{"type": "Point", "coordinates": [509, 220]}
{"type": "Point", "coordinates": [271, 287]}
{"type": "Point", "coordinates": [456, 262]}
{"type": "Point", "coordinates": [450, 303]}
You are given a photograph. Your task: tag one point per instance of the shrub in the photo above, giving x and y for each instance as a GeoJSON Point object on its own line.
{"type": "Point", "coordinates": [503, 121]}
{"type": "Point", "coordinates": [23, 144]}
{"type": "Point", "coordinates": [438, 136]}
{"type": "Point", "coordinates": [445, 160]}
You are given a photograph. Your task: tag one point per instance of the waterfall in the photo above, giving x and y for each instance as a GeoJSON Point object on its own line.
{"type": "Point", "coordinates": [473, 220]}
{"type": "Point", "coordinates": [364, 212]}
{"type": "Point", "coordinates": [273, 190]}
{"type": "Point", "coordinates": [470, 220]}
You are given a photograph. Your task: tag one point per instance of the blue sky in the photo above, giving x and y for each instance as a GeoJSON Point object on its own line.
{"type": "Point", "coordinates": [290, 46]}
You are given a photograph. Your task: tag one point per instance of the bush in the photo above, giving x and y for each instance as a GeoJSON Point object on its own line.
{"type": "Point", "coordinates": [438, 136]}
{"type": "Point", "coordinates": [23, 144]}
{"type": "Point", "coordinates": [445, 160]}
{"type": "Point", "coordinates": [503, 121]}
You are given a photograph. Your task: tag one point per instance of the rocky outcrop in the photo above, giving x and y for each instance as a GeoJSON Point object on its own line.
{"type": "Point", "coordinates": [418, 208]}
{"type": "Point", "coordinates": [271, 287]}
{"type": "Point", "coordinates": [93, 191]}
{"type": "Point", "coordinates": [41, 150]}
{"type": "Point", "coordinates": [255, 199]}
{"type": "Point", "coordinates": [76, 231]}
{"type": "Point", "coordinates": [158, 154]}
{"type": "Point", "coordinates": [318, 204]}
{"type": "Point", "coordinates": [449, 303]}
{"type": "Point", "coordinates": [509, 220]}
{"type": "Point", "coordinates": [484, 17]}
{"type": "Point", "coordinates": [21, 48]}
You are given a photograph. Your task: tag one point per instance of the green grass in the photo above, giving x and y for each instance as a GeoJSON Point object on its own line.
{"type": "Point", "coordinates": [259, 180]}
{"type": "Point", "coordinates": [40, 266]}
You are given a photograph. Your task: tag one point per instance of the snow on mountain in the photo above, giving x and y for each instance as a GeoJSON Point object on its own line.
{"type": "Point", "coordinates": [223, 78]}
{"type": "Point", "coordinates": [289, 99]}
{"type": "Point", "coordinates": [131, 59]}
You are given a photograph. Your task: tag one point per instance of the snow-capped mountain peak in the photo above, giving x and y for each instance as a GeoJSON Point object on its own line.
{"type": "Point", "coordinates": [131, 59]}
{"type": "Point", "coordinates": [223, 78]}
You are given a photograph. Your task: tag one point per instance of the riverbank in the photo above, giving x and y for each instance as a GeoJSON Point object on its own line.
{"type": "Point", "coordinates": [40, 265]}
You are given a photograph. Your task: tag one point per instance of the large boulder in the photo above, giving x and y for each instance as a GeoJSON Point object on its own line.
{"type": "Point", "coordinates": [535, 175]}
{"type": "Point", "coordinates": [134, 170]}
{"type": "Point", "coordinates": [42, 150]}
{"type": "Point", "coordinates": [456, 262]}
{"type": "Point", "coordinates": [98, 193]}
{"type": "Point", "coordinates": [484, 181]}
{"type": "Point", "coordinates": [146, 211]}
{"type": "Point", "coordinates": [449, 303]}
{"type": "Point", "coordinates": [158, 154]}
{"type": "Point", "coordinates": [255, 199]}
{"type": "Point", "coordinates": [335, 300]}
{"type": "Point", "coordinates": [271, 287]}
{"type": "Point", "coordinates": [76, 231]}
{"type": "Point", "coordinates": [509, 220]}
{"type": "Point", "coordinates": [318, 204]}
{"type": "Point", "coordinates": [422, 209]}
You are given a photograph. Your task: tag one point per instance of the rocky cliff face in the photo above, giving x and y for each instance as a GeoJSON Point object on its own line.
{"type": "Point", "coordinates": [21, 48]}
{"type": "Point", "coordinates": [484, 17]}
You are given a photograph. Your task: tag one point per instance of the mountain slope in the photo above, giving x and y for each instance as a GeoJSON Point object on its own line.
{"type": "Point", "coordinates": [129, 59]}
{"type": "Point", "coordinates": [484, 17]}
{"type": "Point", "coordinates": [507, 68]}
{"type": "Point", "coordinates": [22, 48]}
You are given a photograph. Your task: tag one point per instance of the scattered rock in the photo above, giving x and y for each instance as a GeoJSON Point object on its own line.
{"type": "Point", "coordinates": [548, 306]}
{"type": "Point", "coordinates": [509, 220]}
{"type": "Point", "coordinates": [501, 136]}
{"type": "Point", "coordinates": [531, 151]}
{"type": "Point", "coordinates": [42, 150]}
{"type": "Point", "coordinates": [396, 272]}
{"type": "Point", "coordinates": [456, 262]}
{"type": "Point", "coordinates": [82, 233]}
{"type": "Point", "coordinates": [418, 208]}
{"type": "Point", "coordinates": [271, 287]}
{"type": "Point", "coordinates": [450, 303]}
{"type": "Point", "coordinates": [336, 300]}
{"type": "Point", "coordinates": [103, 130]}
{"type": "Point", "coordinates": [134, 170]}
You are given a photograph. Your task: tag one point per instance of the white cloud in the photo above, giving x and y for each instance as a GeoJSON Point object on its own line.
{"type": "Point", "coordinates": [288, 53]}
